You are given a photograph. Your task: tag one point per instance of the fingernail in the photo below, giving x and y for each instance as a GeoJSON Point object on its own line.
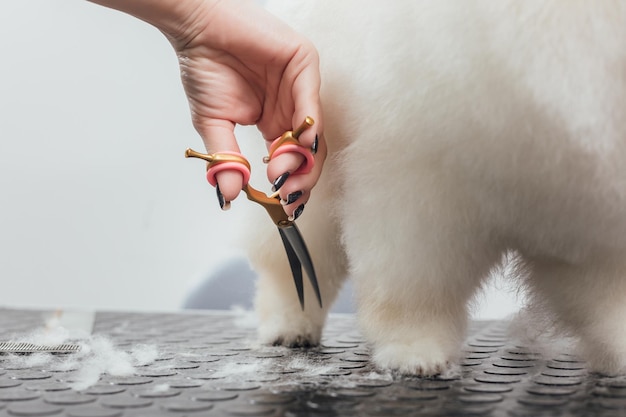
{"type": "Point", "coordinates": [314, 146]}
{"type": "Point", "coordinates": [224, 205]}
{"type": "Point", "coordinates": [296, 213]}
{"type": "Point", "coordinates": [278, 182]}
{"type": "Point", "coordinates": [291, 198]}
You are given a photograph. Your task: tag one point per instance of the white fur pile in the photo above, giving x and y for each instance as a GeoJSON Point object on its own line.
{"type": "Point", "coordinates": [97, 356]}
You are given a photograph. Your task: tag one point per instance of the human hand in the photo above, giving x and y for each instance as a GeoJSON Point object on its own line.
{"type": "Point", "coordinates": [241, 65]}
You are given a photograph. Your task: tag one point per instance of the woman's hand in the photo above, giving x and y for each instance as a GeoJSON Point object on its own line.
{"type": "Point", "coordinates": [241, 65]}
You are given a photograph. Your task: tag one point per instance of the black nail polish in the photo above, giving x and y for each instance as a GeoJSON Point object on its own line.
{"type": "Point", "coordinates": [291, 198]}
{"type": "Point", "coordinates": [278, 182]}
{"type": "Point", "coordinates": [314, 146]}
{"type": "Point", "coordinates": [297, 212]}
{"type": "Point", "coordinates": [224, 205]}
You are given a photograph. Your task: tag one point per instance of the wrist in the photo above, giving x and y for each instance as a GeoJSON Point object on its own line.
{"type": "Point", "coordinates": [178, 20]}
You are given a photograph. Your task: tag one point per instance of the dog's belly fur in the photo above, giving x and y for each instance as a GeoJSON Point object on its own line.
{"type": "Point", "coordinates": [458, 132]}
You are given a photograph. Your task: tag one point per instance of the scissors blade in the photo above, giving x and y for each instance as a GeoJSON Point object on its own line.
{"type": "Point", "coordinates": [291, 237]}
{"type": "Point", "coordinates": [296, 268]}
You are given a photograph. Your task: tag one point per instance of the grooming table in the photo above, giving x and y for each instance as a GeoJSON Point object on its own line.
{"type": "Point", "coordinates": [207, 364]}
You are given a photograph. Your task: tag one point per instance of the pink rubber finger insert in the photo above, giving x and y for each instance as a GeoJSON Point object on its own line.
{"type": "Point", "coordinates": [309, 160]}
{"type": "Point", "coordinates": [225, 166]}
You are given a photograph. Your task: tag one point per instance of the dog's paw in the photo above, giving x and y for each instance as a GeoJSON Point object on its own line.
{"type": "Point", "coordinates": [603, 361]}
{"type": "Point", "coordinates": [412, 359]}
{"type": "Point", "coordinates": [294, 334]}
{"type": "Point", "coordinates": [297, 341]}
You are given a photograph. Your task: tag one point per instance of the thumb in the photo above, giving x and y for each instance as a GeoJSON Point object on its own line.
{"type": "Point", "coordinates": [218, 136]}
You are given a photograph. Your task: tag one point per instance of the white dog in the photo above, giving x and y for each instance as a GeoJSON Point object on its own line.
{"type": "Point", "coordinates": [458, 131]}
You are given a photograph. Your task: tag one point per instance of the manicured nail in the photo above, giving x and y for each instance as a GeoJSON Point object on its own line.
{"type": "Point", "coordinates": [314, 146]}
{"type": "Point", "coordinates": [296, 213]}
{"type": "Point", "coordinates": [278, 182]}
{"type": "Point", "coordinates": [224, 205]}
{"type": "Point", "coordinates": [291, 198]}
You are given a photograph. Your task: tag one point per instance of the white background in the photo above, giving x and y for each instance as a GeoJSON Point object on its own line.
{"type": "Point", "coordinates": [98, 207]}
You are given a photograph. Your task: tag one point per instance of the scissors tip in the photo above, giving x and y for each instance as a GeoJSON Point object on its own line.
{"type": "Point", "coordinates": [317, 292]}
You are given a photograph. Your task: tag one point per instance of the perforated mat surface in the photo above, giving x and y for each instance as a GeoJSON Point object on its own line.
{"type": "Point", "coordinates": [208, 365]}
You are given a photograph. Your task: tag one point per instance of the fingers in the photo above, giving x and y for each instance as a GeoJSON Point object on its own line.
{"type": "Point", "coordinates": [306, 97]}
{"type": "Point", "coordinates": [218, 136]}
{"type": "Point", "coordinates": [295, 190]}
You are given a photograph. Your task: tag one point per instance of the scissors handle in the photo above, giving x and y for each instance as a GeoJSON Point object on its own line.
{"type": "Point", "coordinates": [270, 204]}
{"type": "Point", "coordinates": [222, 161]}
{"type": "Point", "coordinates": [288, 142]}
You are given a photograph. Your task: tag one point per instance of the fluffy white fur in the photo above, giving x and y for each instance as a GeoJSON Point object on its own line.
{"type": "Point", "coordinates": [459, 131]}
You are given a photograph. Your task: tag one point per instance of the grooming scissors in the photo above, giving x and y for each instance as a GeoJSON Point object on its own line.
{"type": "Point", "coordinates": [295, 248]}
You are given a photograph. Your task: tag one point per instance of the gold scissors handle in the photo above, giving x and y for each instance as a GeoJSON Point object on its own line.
{"type": "Point", "coordinates": [289, 138]}
{"type": "Point", "coordinates": [234, 160]}
{"type": "Point", "coordinates": [270, 204]}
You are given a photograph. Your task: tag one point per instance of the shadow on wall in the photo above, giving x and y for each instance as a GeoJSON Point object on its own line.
{"type": "Point", "coordinates": [234, 285]}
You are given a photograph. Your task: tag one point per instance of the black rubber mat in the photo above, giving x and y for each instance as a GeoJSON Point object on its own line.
{"type": "Point", "coordinates": [208, 364]}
